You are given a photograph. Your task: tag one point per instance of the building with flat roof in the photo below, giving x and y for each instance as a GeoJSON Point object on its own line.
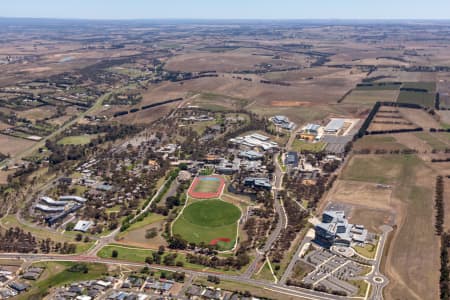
{"type": "Point", "coordinates": [73, 198]}
{"type": "Point", "coordinates": [258, 183]}
{"type": "Point", "coordinates": [334, 229]}
{"type": "Point", "coordinates": [49, 201]}
{"type": "Point", "coordinates": [251, 155]}
{"type": "Point", "coordinates": [49, 209]}
{"type": "Point", "coordinates": [334, 126]}
{"type": "Point", "coordinates": [255, 141]}
{"type": "Point", "coordinates": [82, 226]}
{"type": "Point", "coordinates": [291, 159]}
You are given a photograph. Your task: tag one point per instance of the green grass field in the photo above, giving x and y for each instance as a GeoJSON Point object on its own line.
{"type": "Point", "coordinates": [299, 146]}
{"type": "Point", "coordinates": [57, 274]}
{"type": "Point", "coordinates": [206, 220]}
{"type": "Point", "coordinates": [424, 99]}
{"type": "Point", "coordinates": [429, 86]}
{"type": "Point", "coordinates": [207, 186]}
{"type": "Point", "coordinates": [378, 142]}
{"type": "Point", "coordinates": [135, 254]}
{"type": "Point", "coordinates": [377, 86]}
{"type": "Point", "coordinates": [77, 139]}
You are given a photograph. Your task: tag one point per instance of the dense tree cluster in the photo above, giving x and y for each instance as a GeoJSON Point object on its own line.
{"type": "Point", "coordinates": [17, 240]}
{"type": "Point", "coordinates": [296, 221]}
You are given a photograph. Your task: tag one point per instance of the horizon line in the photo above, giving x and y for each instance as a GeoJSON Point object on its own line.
{"type": "Point", "coordinates": [221, 19]}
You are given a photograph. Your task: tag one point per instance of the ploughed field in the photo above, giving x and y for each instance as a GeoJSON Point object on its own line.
{"type": "Point", "coordinates": [212, 222]}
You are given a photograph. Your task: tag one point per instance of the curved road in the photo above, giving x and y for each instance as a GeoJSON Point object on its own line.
{"type": "Point", "coordinates": [282, 221]}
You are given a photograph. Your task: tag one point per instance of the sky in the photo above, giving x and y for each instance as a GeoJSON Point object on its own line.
{"type": "Point", "coordinates": [227, 9]}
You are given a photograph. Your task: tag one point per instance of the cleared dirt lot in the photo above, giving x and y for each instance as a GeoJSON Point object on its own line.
{"type": "Point", "coordinates": [371, 218]}
{"type": "Point", "coordinates": [370, 97]}
{"type": "Point", "coordinates": [38, 113]}
{"type": "Point", "coordinates": [419, 117]}
{"type": "Point", "coordinates": [12, 145]}
{"type": "Point", "coordinates": [360, 193]}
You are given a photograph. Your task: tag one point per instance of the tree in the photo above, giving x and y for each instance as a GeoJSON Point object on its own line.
{"type": "Point", "coordinates": [114, 254]}
{"type": "Point", "coordinates": [70, 226]}
{"type": "Point", "coordinates": [78, 237]}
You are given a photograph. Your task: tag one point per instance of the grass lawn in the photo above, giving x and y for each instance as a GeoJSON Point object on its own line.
{"type": "Point", "coordinates": [200, 127]}
{"type": "Point", "coordinates": [264, 274]}
{"type": "Point", "coordinates": [432, 140]}
{"type": "Point", "coordinates": [135, 254]}
{"type": "Point", "coordinates": [57, 274]}
{"type": "Point", "coordinates": [362, 287]}
{"type": "Point", "coordinates": [368, 250]}
{"type": "Point", "coordinates": [204, 221]}
{"type": "Point", "coordinates": [300, 270]}
{"type": "Point", "coordinates": [77, 139]}
{"type": "Point", "coordinates": [384, 169]}
{"type": "Point", "coordinates": [299, 146]}
{"type": "Point", "coordinates": [152, 218]}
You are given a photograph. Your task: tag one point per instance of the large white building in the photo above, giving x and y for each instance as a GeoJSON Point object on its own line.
{"type": "Point", "coordinates": [255, 140]}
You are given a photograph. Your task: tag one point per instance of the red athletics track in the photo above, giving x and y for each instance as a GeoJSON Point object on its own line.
{"type": "Point", "coordinates": [199, 195]}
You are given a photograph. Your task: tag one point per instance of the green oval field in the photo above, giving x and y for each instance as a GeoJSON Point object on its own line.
{"type": "Point", "coordinates": [207, 220]}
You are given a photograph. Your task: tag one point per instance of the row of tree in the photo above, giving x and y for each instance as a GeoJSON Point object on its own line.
{"type": "Point", "coordinates": [439, 205]}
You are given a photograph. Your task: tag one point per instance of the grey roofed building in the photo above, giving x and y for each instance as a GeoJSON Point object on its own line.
{"type": "Point", "coordinates": [48, 209]}
{"type": "Point", "coordinates": [228, 168]}
{"type": "Point", "coordinates": [51, 202]}
{"type": "Point", "coordinates": [251, 155]}
{"type": "Point", "coordinates": [311, 128]}
{"type": "Point", "coordinates": [255, 182]}
{"type": "Point", "coordinates": [82, 226]}
{"type": "Point", "coordinates": [72, 198]}
{"type": "Point", "coordinates": [283, 122]}
{"type": "Point", "coordinates": [31, 276]}
{"type": "Point", "coordinates": [336, 230]}
{"type": "Point", "coordinates": [291, 158]}
{"type": "Point", "coordinates": [334, 125]}
{"type": "Point", "coordinates": [19, 286]}
{"type": "Point", "coordinates": [105, 187]}
{"type": "Point", "coordinates": [259, 137]}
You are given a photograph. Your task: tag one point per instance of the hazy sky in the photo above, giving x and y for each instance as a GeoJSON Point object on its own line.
{"type": "Point", "coordinates": [228, 9]}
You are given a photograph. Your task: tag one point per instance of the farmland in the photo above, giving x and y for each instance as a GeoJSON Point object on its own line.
{"type": "Point", "coordinates": [411, 200]}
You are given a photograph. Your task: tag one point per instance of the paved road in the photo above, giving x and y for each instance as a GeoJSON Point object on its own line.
{"type": "Point", "coordinates": [294, 260]}
{"type": "Point", "coordinates": [376, 278]}
{"type": "Point", "coordinates": [261, 253]}
{"type": "Point", "coordinates": [292, 291]}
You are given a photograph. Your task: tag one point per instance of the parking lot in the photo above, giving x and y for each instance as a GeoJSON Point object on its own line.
{"type": "Point", "coordinates": [333, 272]}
